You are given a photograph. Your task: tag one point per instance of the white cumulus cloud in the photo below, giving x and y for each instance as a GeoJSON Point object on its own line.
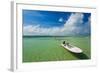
{"type": "Point", "coordinates": [60, 20]}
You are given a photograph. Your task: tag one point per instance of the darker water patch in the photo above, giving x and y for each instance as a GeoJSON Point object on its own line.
{"type": "Point", "coordinates": [80, 55]}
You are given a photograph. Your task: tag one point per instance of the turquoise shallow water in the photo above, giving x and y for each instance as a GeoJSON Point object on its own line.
{"type": "Point", "coordinates": [37, 49]}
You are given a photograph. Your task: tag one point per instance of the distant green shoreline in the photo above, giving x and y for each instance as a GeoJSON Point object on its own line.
{"type": "Point", "coordinates": [54, 36]}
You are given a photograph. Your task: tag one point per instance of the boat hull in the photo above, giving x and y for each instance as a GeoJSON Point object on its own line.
{"type": "Point", "coordinates": [72, 49]}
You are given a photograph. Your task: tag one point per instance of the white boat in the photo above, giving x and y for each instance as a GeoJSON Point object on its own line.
{"type": "Point", "coordinates": [72, 48]}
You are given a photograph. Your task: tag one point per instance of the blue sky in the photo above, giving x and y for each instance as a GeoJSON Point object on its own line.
{"type": "Point", "coordinates": [55, 23]}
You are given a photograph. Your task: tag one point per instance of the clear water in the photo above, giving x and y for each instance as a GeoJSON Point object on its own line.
{"type": "Point", "coordinates": [37, 49]}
